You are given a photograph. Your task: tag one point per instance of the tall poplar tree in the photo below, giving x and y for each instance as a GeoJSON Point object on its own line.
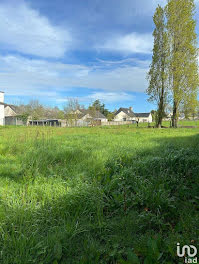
{"type": "Point", "coordinates": [158, 73]}
{"type": "Point", "coordinates": [183, 53]}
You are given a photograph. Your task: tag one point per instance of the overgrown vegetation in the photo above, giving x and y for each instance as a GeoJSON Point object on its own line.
{"type": "Point", "coordinates": [97, 195]}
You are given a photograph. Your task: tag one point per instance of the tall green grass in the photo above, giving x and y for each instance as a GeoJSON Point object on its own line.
{"type": "Point", "coordinates": [97, 195]}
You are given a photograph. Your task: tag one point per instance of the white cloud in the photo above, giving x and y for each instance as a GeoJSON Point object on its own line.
{"type": "Point", "coordinates": [105, 97]}
{"type": "Point", "coordinates": [110, 97]}
{"type": "Point", "coordinates": [122, 78]}
{"type": "Point", "coordinates": [22, 76]}
{"type": "Point", "coordinates": [130, 43]}
{"type": "Point", "coordinates": [26, 31]}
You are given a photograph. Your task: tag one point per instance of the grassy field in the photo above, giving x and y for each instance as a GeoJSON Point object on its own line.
{"type": "Point", "coordinates": [181, 123]}
{"type": "Point", "coordinates": [97, 195]}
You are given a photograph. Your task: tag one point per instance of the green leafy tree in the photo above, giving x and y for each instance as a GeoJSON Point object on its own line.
{"type": "Point", "coordinates": [190, 107]}
{"type": "Point", "coordinates": [24, 117]}
{"type": "Point", "coordinates": [183, 64]}
{"type": "Point", "coordinates": [110, 116]}
{"type": "Point", "coordinates": [154, 115]}
{"type": "Point", "coordinates": [98, 106]}
{"type": "Point", "coordinates": [158, 73]}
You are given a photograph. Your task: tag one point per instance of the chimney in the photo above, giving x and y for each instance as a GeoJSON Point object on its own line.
{"type": "Point", "coordinates": [1, 97]}
{"type": "Point", "coordinates": [131, 108]}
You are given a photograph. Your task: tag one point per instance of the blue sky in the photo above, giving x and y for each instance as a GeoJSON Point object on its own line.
{"type": "Point", "coordinates": [87, 49]}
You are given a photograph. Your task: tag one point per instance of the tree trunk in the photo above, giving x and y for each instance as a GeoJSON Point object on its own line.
{"type": "Point", "coordinates": [175, 117]}
{"type": "Point", "coordinates": [160, 112]}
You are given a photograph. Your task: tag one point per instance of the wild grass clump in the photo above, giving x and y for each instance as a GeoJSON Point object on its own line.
{"type": "Point", "coordinates": [93, 195]}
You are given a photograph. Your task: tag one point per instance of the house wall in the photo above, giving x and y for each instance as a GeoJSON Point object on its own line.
{"type": "Point", "coordinates": [104, 120]}
{"type": "Point", "coordinates": [2, 115]}
{"type": "Point", "coordinates": [2, 97]}
{"type": "Point", "coordinates": [121, 115]}
{"type": "Point", "coordinates": [10, 121]}
{"type": "Point", "coordinates": [9, 112]}
{"type": "Point", "coordinates": [148, 119]}
{"type": "Point", "coordinates": [143, 119]}
{"type": "Point", "coordinates": [86, 117]}
{"type": "Point", "coordinates": [13, 121]}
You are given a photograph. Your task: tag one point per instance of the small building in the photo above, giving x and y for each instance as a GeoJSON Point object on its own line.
{"type": "Point", "coordinates": [2, 107]}
{"type": "Point", "coordinates": [9, 114]}
{"type": "Point", "coordinates": [44, 122]}
{"type": "Point", "coordinates": [12, 116]}
{"type": "Point", "coordinates": [127, 114]}
{"type": "Point", "coordinates": [144, 117]}
{"type": "Point", "coordinates": [124, 114]}
{"type": "Point", "coordinates": [83, 115]}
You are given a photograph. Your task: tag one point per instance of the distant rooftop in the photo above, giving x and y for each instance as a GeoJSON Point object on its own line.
{"type": "Point", "coordinates": [127, 111]}
{"type": "Point", "coordinates": [142, 114]}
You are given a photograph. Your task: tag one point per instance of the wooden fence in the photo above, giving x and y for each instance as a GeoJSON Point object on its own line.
{"type": "Point", "coordinates": [116, 123]}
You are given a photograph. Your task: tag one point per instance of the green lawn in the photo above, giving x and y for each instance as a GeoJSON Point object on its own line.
{"type": "Point", "coordinates": [97, 195]}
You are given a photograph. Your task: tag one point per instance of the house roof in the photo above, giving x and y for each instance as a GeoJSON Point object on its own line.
{"type": "Point", "coordinates": [130, 113]}
{"type": "Point", "coordinates": [93, 114]}
{"type": "Point", "coordinates": [142, 114]}
{"type": "Point", "coordinates": [83, 111]}
{"type": "Point", "coordinates": [1, 103]}
{"type": "Point", "coordinates": [97, 114]}
{"type": "Point", "coordinates": [127, 111]}
{"type": "Point", "coordinates": [13, 107]}
{"type": "Point", "coordinates": [6, 104]}
{"type": "Point", "coordinates": [79, 116]}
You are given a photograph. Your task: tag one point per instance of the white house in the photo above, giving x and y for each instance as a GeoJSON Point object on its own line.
{"type": "Point", "coordinates": [144, 117]}
{"type": "Point", "coordinates": [2, 112]}
{"type": "Point", "coordinates": [8, 113]}
{"type": "Point", "coordinates": [127, 114]}
{"type": "Point", "coordinates": [10, 110]}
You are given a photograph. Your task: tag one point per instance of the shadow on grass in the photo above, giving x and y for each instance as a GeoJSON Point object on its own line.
{"type": "Point", "coordinates": [139, 206]}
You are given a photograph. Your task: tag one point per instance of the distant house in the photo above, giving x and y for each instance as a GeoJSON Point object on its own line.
{"type": "Point", "coordinates": [2, 106]}
{"type": "Point", "coordinates": [168, 117]}
{"type": "Point", "coordinates": [12, 116]}
{"type": "Point", "coordinates": [144, 117]}
{"type": "Point", "coordinates": [10, 110]}
{"type": "Point", "coordinates": [9, 114]}
{"type": "Point", "coordinates": [88, 115]}
{"type": "Point", "coordinates": [127, 114]}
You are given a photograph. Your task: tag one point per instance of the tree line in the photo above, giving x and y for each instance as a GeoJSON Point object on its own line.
{"type": "Point", "coordinates": [173, 74]}
{"type": "Point", "coordinates": [38, 111]}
